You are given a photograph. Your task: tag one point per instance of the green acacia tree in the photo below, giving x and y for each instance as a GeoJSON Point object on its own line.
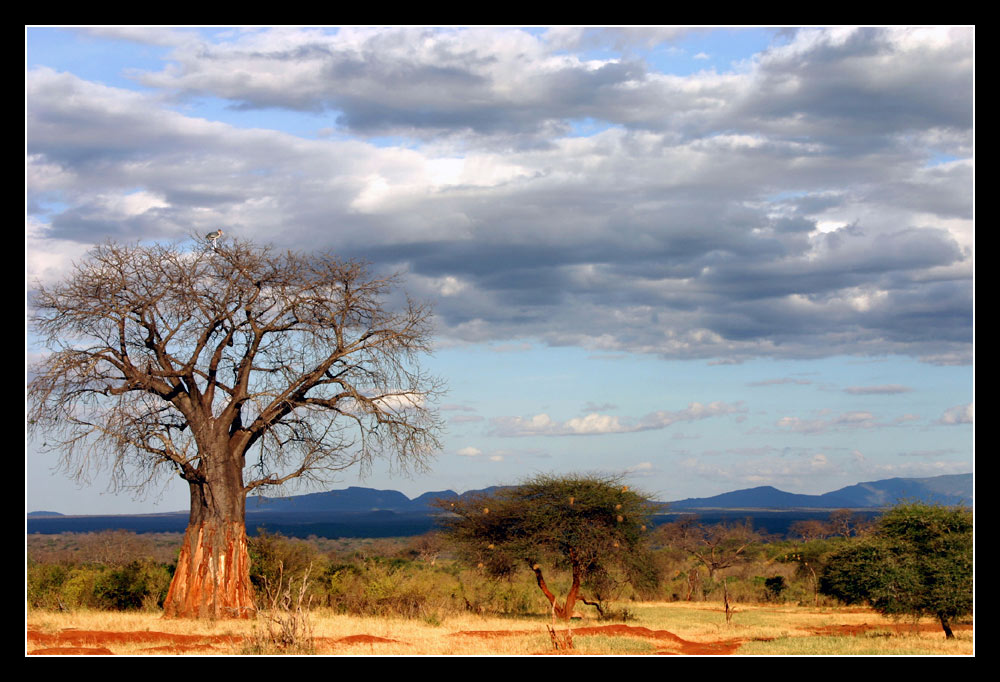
{"type": "Point", "coordinates": [917, 561]}
{"type": "Point", "coordinates": [589, 525]}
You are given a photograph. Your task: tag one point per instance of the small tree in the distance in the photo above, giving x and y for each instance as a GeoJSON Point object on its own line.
{"type": "Point", "coordinates": [587, 525]}
{"type": "Point", "coordinates": [235, 367]}
{"type": "Point", "coordinates": [916, 562]}
{"type": "Point", "coordinates": [717, 546]}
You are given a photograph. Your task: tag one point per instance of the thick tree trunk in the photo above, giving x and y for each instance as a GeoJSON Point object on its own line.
{"type": "Point", "coordinates": [212, 579]}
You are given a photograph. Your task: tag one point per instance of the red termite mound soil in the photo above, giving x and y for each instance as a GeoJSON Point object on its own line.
{"type": "Point", "coordinates": [95, 642]}
{"type": "Point", "coordinates": [71, 651]}
{"type": "Point", "coordinates": [686, 647]}
{"type": "Point", "coordinates": [365, 639]}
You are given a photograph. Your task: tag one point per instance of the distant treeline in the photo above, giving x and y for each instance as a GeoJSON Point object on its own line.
{"type": "Point", "coordinates": [383, 524]}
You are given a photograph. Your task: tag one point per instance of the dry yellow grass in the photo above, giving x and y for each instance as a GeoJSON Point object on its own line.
{"type": "Point", "coordinates": [766, 630]}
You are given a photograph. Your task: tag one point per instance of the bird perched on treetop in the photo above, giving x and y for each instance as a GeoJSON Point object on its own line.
{"type": "Point", "coordinates": [213, 237]}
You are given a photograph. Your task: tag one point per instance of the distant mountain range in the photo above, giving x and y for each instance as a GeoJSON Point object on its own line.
{"type": "Point", "coordinates": [354, 500]}
{"type": "Point", "coordinates": [365, 512]}
{"type": "Point", "coordinates": [949, 490]}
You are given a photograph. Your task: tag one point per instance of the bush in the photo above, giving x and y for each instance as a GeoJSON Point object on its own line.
{"type": "Point", "coordinates": [917, 561]}
{"type": "Point", "coordinates": [276, 559]}
{"type": "Point", "coordinates": [138, 585]}
{"type": "Point", "coordinates": [774, 587]}
{"type": "Point", "coordinates": [80, 589]}
{"type": "Point", "coordinates": [44, 584]}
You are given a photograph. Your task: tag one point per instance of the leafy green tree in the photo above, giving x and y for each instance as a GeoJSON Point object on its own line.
{"type": "Point", "coordinates": [917, 561]}
{"type": "Point", "coordinates": [589, 525]}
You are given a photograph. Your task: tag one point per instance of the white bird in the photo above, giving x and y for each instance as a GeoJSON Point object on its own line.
{"type": "Point", "coordinates": [213, 237]}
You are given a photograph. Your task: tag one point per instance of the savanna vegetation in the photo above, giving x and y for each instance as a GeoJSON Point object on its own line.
{"type": "Point", "coordinates": [716, 584]}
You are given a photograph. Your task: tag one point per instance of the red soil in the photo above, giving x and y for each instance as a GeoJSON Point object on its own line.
{"type": "Point", "coordinates": [686, 647]}
{"type": "Point", "coordinates": [70, 651]}
{"type": "Point", "coordinates": [95, 642]}
{"type": "Point", "coordinates": [365, 639]}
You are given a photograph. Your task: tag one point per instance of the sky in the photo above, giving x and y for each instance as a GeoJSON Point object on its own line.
{"type": "Point", "coordinates": [703, 258]}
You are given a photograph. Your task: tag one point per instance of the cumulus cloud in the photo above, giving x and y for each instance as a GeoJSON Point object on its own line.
{"type": "Point", "coordinates": [47, 260]}
{"type": "Point", "coordinates": [401, 402]}
{"type": "Point", "coordinates": [846, 420]}
{"type": "Point", "coordinates": [641, 470]}
{"type": "Point", "coordinates": [787, 209]}
{"type": "Point", "coordinates": [599, 424]}
{"type": "Point", "coordinates": [960, 414]}
{"type": "Point", "coordinates": [873, 82]}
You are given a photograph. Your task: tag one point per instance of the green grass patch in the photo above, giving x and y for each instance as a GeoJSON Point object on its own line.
{"type": "Point", "coordinates": [600, 644]}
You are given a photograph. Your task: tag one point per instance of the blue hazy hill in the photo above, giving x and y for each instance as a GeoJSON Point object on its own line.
{"type": "Point", "coordinates": [366, 512]}
{"type": "Point", "coordinates": [948, 490]}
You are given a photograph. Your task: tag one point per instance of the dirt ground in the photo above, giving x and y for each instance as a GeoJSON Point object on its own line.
{"type": "Point", "coordinates": [96, 642]}
{"type": "Point", "coordinates": [564, 640]}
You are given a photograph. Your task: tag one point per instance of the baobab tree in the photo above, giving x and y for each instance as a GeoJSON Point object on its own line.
{"type": "Point", "coordinates": [236, 367]}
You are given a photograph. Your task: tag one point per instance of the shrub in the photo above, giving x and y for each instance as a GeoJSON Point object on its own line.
{"type": "Point", "coordinates": [275, 558]}
{"type": "Point", "coordinates": [774, 587]}
{"type": "Point", "coordinates": [917, 561]}
{"type": "Point", "coordinates": [137, 585]}
{"type": "Point", "coordinates": [44, 583]}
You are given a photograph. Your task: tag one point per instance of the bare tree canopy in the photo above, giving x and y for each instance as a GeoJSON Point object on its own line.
{"type": "Point", "coordinates": [235, 366]}
{"type": "Point", "coordinates": [716, 547]}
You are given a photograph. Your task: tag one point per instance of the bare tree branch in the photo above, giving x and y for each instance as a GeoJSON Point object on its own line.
{"type": "Point", "coordinates": [289, 362]}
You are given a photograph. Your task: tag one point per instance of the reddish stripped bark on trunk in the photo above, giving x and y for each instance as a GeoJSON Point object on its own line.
{"type": "Point", "coordinates": [212, 579]}
{"type": "Point", "coordinates": [213, 574]}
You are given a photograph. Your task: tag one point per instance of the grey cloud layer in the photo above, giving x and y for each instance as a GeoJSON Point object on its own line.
{"type": "Point", "coordinates": [868, 82]}
{"type": "Point", "coordinates": [785, 210]}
